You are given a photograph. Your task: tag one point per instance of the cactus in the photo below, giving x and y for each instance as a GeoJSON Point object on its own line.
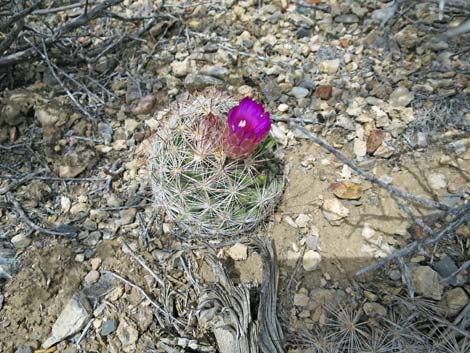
{"type": "Point", "coordinates": [204, 191]}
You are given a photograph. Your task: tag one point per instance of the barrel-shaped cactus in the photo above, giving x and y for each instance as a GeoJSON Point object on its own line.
{"type": "Point", "coordinates": [206, 185]}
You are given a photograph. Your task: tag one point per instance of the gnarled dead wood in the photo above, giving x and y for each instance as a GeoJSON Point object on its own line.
{"type": "Point", "coordinates": [228, 308]}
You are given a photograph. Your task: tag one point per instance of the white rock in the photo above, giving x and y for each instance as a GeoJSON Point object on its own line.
{"type": "Point", "coordinates": [20, 241]}
{"type": "Point", "coordinates": [65, 204]}
{"type": "Point", "coordinates": [311, 260]}
{"type": "Point", "coordinates": [79, 208]}
{"type": "Point", "coordinates": [290, 221]}
{"type": "Point", "coordinates": [437, 181]}
{"type": "Point", "coordinates": [238, 252]}
{"type": "Point", "coordinates": [360, 149]}
{"type": "Point", "coordinates": [302, 220]}
{"type": "Point", "coordinates": [292, 256]}
{"type": "Point", "coordinates": [131, 125]}
{"type": "Point", "coordinates": [283, 107]}
{"type": "Point", "coordinates": [119, 145]}
{"type": "Point", "coordinates": [71, 320]}
{"type": "Point", "coordinates": [329, 66]}
{"type": "Point", "coordinates": [367, 231]}
{"type": "Point", "coordinates": [112, 200]}
{"type": "Point", "coordinates": [334, 211]}
{"type": "Point", "coordinates": [80, 257]}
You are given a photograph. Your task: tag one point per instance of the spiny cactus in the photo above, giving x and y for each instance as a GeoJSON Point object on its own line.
{"type": "Point", "coordinates": [206, 192]}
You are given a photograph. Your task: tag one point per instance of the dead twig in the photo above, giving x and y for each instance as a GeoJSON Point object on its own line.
{"type": "Point", "coordinates": [22, 214]}
{"type": "Point", "coordinates": [142, 263]}
{"type": "Point", "coordinates": [19, 182]}
{"type": "Point", "coordinates": [296, 119]}
{"type": "Point", "coordinates": [80, 21]}
{"type": "Point", "coordinates": [141, 291]}
{"type": "Point", "coordinates": [463, 215]}
{"type": "Point", "coordinates": [393, 190]}
{"type": "Point", "coordinates": [462, 268]}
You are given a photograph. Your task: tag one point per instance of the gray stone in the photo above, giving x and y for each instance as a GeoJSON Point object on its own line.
{"type": "Point", "coordinates": [199, 81]}
{"type": "Point", "coordinates": [459, 146]}
{"type": "Point", "coordinates": [299, 92]}
{"type": "Point", "coordinates": [374, 309]}
{"type": "Point", "coordinates": [271, 90]}
{"type": "Point", "coordinates": [127, 216]}
{"type": "Point", "coordinates": [93, 238]}
{"type": "Point", "coordinates": [422, 139]}
{"type": "Point", "coordinates": [24, 349]}
{"type": "Point", "coordinates": [455, 300]}
{"type": "Point", "coordinates": [427, 282]}
{"type": "Point", "coordinates": [401, 97]}
{"type": "Point", "coordinates": [445, 267]}
{"type": "Point", "coordinates": [274, 18]}
{"type": "Point", "coordinates": [8, 263]}
{"type": "Point", "coordinates": [108, 327]}
{"type": "Point", "coordinates": [20, 241]}
{"type": "Point", "coordinates": [1, 301]}
{"type": "Point", "coordinates": [106, 132]}
{"type": "Point", "coordinates": [347, 19]}
{"type": "Point", "coordinates": [71, 320]}
{"type": "Point", "coordinates": [247, 43]}
{"type": "Point", "coordinates": [215, 71]}
{"type": "Point", "coordinates": [407, 37]}
{"type": "Point", "coordinates": [105, 284]}
{"type": "Point", "coordinates": [394, 275]}
{"type": "Point", "coordinates": [303, 32]}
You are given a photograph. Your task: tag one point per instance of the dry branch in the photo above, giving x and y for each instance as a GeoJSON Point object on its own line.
{"type": "Point", "coordinates": [16, 205]}
{"type": "Point", "coordinates": [31, 52]}
{"type": "Point", "coordinates": [462, 216]}
{"type": "Point", "coordinates": [393, 190]}
{"type": "Point", "coordinates": [233, 324]}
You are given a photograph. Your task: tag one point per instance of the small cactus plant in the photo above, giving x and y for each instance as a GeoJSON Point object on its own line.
{"type": "Point", "coordinates": [214, 179]}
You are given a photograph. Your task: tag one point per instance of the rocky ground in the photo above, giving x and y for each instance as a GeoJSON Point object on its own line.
{"type": "Point", "coordinates": [87, 263]}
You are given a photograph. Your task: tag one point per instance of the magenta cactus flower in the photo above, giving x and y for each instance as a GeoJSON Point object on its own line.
{"type": "Point", "coordinates": [247, 125]}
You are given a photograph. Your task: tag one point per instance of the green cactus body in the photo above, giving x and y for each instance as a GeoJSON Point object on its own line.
{"type": "Point", "coordinates": [203, 191]}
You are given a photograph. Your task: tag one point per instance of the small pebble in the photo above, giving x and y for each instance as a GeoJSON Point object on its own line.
{"type": "Point", "coordinates": [80, 257]}
{"type": "Point", "coordinates": [92, 277]}
{"type": "Point", "coordinates": [95, 263]}
{"type": "Point", "coordinates": [283, 107]}
{"type": "Point", "coordinates": [108, 327]}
